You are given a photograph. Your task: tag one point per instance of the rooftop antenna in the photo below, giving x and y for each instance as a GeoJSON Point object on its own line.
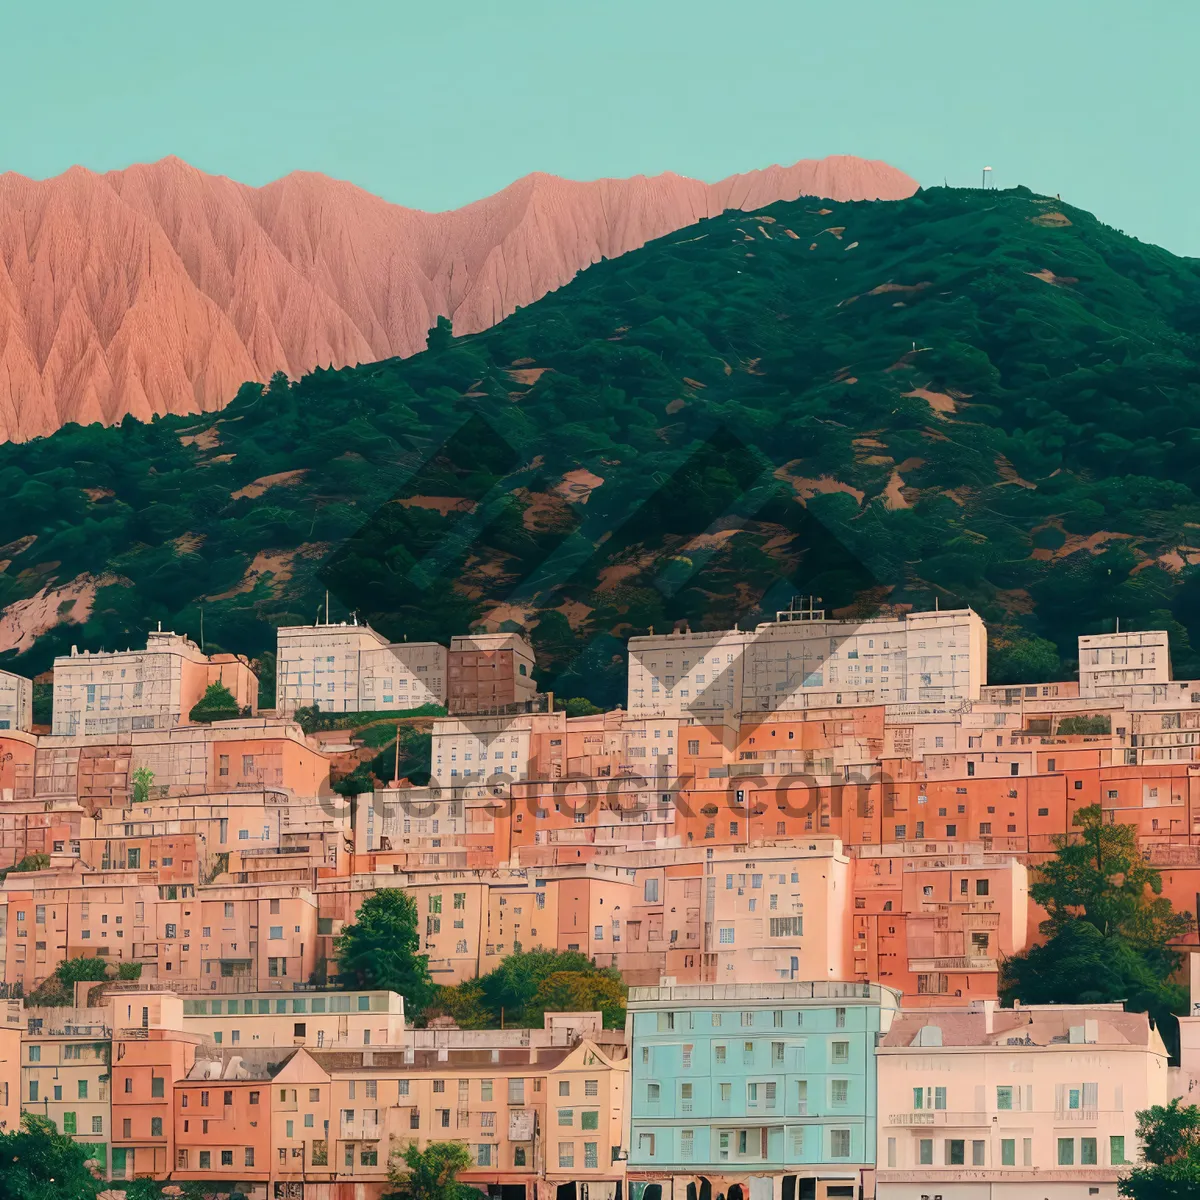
{"type": "Point", "coordinates": [202, 629]}
{"type": "Point", "coordinates": [326, 606]}
{"type": "Point", "coordinates": [1118, 624]}
{"type": "Point", "coordinates": [986, 172]}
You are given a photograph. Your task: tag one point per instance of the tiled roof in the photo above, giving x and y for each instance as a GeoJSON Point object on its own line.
{"type": "Point", "coordinates": [1039, 1025]}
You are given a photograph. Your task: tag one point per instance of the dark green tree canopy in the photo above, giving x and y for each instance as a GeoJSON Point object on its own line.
{"type": "Point", "coordinates": [217, 704]}
{"type": "Point", "coordinates": [529, 983]}
{"type": "Point", "coordinates": [1108, 929]}
{"type": "Point", "coordinates": [1170, 1136]}
{"type": "Point", "coordinates": [1099, 875]}
{"type": "Point", "coordinates": [432, 1173]}
{"type": "Point", "coordinates": [39, 1163]}
{"type": "Point", "coordinates": [381, 949]}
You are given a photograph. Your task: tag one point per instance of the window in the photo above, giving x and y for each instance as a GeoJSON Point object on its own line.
{"type": "Point", "coordinates": [786, 926]}
{"type": "Point", "coordinates": [566, 1154]}
{"type": "Point", "coordinates": [925, 1152]}
{"type": "Point", "coordinates": [566, 1116]}
{"type": "Point", "coordinates": [205, 1160]}
{"type": "Point", "coordinates": [82, 1086]}
{"type": "Point", "coordinates": [840, 1052]}
{"type": "Point", "coordinates": [591, 1087]}
{"type": "Point", "coordinates": [956, 1152]}
{"type": "Point", "coordinates": [1004, 1099]}
{"type": "Point", "coordinates": [249, 1156]}
{"type": "Point", "coordinates": [1116, 1151]}
{"type": "Point", "coordinates": [1087, 1152]}
{"type": "Point", "coordinates": [591, 1118]}
{"type": "Point", "coordinates": [839, 1143]}
{"type": "Point", "coordinates": [69, 1123]}
{"type": "Point", "coordinates": [1066, 1152]}
{"type": "Point", "coordinates": [227, 1158]}
{"type": "Point", "coordinates": [1008, 1152]}
{"type": "Point", "coordinates": [653, 1092]}
{"type": "Point", "coordinates": [839, 1090]}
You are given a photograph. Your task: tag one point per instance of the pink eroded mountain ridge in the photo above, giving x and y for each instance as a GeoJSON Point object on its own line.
{"type": "Point", "coordinates": [160, 289]}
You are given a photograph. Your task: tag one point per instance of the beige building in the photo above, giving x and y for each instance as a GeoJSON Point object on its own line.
{"type": "Point", "coordinates": [16, 701]}
{"type": "Point", "coordinates": [1120, 661]}
{"type": "Point", "coordinates": [352, 668]}
{"type": "Point", "coordinates": [986, 1103]}
{"type": "Point", "coordinates": [124, 691]}
{"type": "Point", "coordinates": [804, 660]}
{"type": "Point", "coordinates": [65, 1072]}
{"type": "Point", "coordinates": [319, 1020]}
{"type": "Point", "coordinates": [471, 750]}
{"type": "Point", "coordinates": [526, 1113]}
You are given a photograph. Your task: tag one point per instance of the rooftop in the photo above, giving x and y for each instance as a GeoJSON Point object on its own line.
{"type": "Point", "coordinates": [1034, 1026]}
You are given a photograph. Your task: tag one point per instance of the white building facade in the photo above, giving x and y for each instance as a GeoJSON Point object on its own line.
{"type": "Point", "coordinates": [352, 668]}
{"type": "Point", "coordinates": [803, 660]}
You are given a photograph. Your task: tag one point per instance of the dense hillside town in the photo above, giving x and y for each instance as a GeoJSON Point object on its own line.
{"type": "Point", "coordinates": [808, 849]}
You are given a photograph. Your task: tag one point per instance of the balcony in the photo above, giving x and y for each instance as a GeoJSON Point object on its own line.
{"type": "Point", "coordinates": [950, 1119]}
{"type": "Point", "coordinates": [963, 962]}
{"type": "Point", "coordinates": [944, 1118]}
{"type": "Point", "coordinates": [359, 1131]}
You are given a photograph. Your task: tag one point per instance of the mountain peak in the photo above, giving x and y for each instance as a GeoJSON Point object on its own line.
{"type": "Point", "coordinates": [160, 288]}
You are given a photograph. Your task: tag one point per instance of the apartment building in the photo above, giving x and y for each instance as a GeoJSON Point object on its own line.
{"type": "Point", "coordinates": [532, 1116]}
{"type": "Point", "coordinates": [488, 671]}
{"type": "Point", "coordinates": [486, 749]}
{"type": "Point", "coordinates": [116, 692]}
{"type": "Point", "coordinates": [804, 660]}
{"type": "Point", "coordinates": [991, 1102]}
{"type": "Point", "coordinates": [222, 1113]}
{"type": "Point", "coordinates": [12, 1029]}
{"type": "Point", "coordinates": [352, 668]}
{"type": "Point", "coordinates": [937, 926]}
{"type": "Point", "coordinates": [318, 1020]}
{"type": "Point", "coordinates": [16, 702]}
{"type": "Point", "coordinates": [1110, 662]}
{"type": "Point", "coordinates": [66, 1060]}
{"type": "Point", "coordinates": [769, 1088]}
{"type": "Point", "coordinates": [151, 1053]}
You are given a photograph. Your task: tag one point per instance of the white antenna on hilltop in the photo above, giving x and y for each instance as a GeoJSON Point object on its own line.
{"type": "Point", "coordinates": [986, 172]}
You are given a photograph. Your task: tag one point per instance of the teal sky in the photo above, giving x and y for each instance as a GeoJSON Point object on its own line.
{"type": "Point", "coordinates": [437, 103]}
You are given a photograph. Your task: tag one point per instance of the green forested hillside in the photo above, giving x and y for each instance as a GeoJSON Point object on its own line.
{"type": "Point", "coordinates": [983, 397]}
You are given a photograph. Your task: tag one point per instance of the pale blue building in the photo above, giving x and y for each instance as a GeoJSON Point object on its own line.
{"type": "Point", "coordinates": [760, 1091]}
